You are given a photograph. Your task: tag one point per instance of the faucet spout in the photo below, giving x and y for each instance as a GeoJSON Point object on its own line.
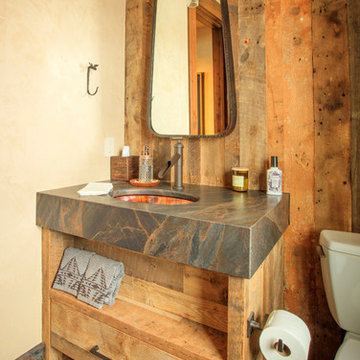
{"type": "Point", "coordinates": [176, 161]}
{"type": "Point", "coordinates": [168, 166]}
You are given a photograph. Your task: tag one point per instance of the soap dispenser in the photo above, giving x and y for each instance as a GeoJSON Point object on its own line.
{"type": "Point", "coordinates": [145, 166]}
{"type": "Point", "coordinates": [274, 178]}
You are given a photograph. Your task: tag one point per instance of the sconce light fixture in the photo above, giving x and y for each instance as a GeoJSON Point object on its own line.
{"type": "Point", "coordinates": [193, 3]}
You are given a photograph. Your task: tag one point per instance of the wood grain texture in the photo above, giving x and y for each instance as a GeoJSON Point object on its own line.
{"type": "Point", "coordinates": [332, 153]}
{"type": "Point", "coordinates": [158, 300]}
{"type": "Point", "coordinates": [84, 332]}
{"type": "Point", "coordinates": [232, 141]}
{"type": "Point", "coordinates": [182, 339]}
{"type": "Point", "coordinates": [303, 119]}
{"type": "Point", "coordinates": [260, 294]}
{"type": "Point", "coordinates": [137, 49]}
{"type": "Point", "coordinates": [252, 90]}
{"type": "Point", "coordinates": [186, 306]}
{"type": "Point", "coordinates": [66, 347]}
{"type": "Point", "coordinates": [152, 318]}
{"type": "Point", "coordinates": [147, 268]}
{"type": "Point", "coordinates": [51, 258]}
{"type": "Point", "coordinates": [354, 69]}
{"type": "Point", "coordinates": [187, 292]}
{"type": "Point", "coordinates": [332, 108]}
{"type": "Point", "coordinates": [124, 168]}
{"type": "Point", "coordinates": [291, 138]}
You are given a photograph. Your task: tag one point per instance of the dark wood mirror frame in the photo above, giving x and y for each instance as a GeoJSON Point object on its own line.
{"type": "Point", "coordinates": [229, 73]}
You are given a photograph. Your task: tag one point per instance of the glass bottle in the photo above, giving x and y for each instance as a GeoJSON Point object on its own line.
{"type": "Point", "coordinates": [145, 166]}
{"type": "Point", "coordinates": [274, 178]}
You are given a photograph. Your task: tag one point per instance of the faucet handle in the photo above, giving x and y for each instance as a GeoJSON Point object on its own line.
{"type": "Point", "coordinates": [168, 165]}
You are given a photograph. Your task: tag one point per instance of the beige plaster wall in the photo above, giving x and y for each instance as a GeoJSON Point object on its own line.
{"type": "Point", "coordinates": [52, 133]}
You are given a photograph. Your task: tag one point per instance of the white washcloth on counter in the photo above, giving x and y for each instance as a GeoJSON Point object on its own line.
{"type": "Point", "coordinates": [96, 189]}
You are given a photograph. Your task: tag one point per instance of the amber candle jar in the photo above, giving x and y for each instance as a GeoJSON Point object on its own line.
{"type": "Point", "coordinates": [240, 178]}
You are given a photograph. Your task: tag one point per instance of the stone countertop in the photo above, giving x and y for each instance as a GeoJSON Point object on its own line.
{"type": "Point", "coordinates": [225, 231]}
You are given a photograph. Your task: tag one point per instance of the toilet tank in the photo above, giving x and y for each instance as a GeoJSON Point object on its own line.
{"type": "Point", "coordinates": [340, 265]}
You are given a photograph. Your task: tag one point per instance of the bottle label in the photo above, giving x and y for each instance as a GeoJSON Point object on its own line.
{"type": "Point", "coordinates": [274, 182]}
{"type": "Point", "coordinates": [238, 181]}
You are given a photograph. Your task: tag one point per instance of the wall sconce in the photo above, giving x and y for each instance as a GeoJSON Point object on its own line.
{"type": "Point", "coordinates": [193, 3]}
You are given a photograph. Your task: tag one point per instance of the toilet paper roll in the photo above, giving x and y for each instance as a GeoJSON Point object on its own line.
{"type": "Point", "coordinates": [293, 332]}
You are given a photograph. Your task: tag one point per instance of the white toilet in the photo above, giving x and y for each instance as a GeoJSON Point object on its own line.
{"type": "Point", "coordinates": [340, 265]}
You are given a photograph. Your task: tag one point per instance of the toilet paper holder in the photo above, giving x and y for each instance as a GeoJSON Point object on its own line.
{"type": "Point", "coordinates": [252, 325]}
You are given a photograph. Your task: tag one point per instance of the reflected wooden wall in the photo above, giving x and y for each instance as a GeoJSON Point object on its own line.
{"type": "Point", "coordinates": [292, 90]}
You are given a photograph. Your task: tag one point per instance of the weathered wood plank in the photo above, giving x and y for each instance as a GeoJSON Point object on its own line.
{"type": "Point", "coordinates": [53, 245]}
{"type": "Point", "coordinates": [144, 267]}
{"type": "Point", "coordinates": [137, 49]}
{"type": "Point", "coordinates": [252, 91]}
{"type": "Point", "coordinates": [332, 115]}
{"type": "Point", "coordinates": [70, 349]}
{"type": "Point", "coordinates": [273, 279]}
{"type": "Point", "coordinates": [85, 332]}
{"type": "Point", "coordinates": [183, 339]}
{"type": "Point", "coordinates": [206, 285]}
{"type": "Point", "coordinates": [189, 307]}
{"type": "Point", "coordinates": [261, 294]}
{"type": "Point", "coordinates": [159, 283]}
{"type": "Point", "coordinates": [212, 161]}
{"type": "Point", "coordinates": [291, 137]}
{"type": "Point", "coordinates": [274, 93]}
{"type": "Point", "coordinates": [192, 161]}
{"type": "Point", "coordinates": [238, 290]}
{"type": "Point", "coordinates": [354, 68]}
{"type": "Point", "coordinates": [232, 141]}
{"type": "Point", "coordinates": [332, 145]}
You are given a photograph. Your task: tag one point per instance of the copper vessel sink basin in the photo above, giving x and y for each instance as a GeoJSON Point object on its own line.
{"type": "Point", "coordinates": [156, 197]}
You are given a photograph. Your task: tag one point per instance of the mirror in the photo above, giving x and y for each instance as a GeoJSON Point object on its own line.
{"type": "Point", "coordinates": [192, 89]}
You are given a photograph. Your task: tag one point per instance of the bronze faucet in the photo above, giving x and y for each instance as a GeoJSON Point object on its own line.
{"type": "Point", "coordinates": [177, 161]}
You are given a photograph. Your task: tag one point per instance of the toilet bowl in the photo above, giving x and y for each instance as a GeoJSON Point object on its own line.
{"type": "Point", "coordinates": [340, 266]}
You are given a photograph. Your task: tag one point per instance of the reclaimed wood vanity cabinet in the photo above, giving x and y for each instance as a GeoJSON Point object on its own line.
{"type": "Point", "coordinates": [164, 309]}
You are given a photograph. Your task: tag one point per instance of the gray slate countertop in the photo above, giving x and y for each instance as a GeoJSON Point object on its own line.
{"type": "Point", "coordinates": [225, 231]}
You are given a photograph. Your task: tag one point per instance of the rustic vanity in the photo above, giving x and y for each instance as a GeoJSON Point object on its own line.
{"type": "Point", "coordinates": [194, 272]}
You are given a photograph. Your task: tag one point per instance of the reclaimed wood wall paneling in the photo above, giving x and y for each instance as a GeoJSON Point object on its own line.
{"type": "Point", "coordinates": [291, 132]}
{"type": "Point", "coordinates": [354, 68]}
{"type": "Point", "coordinates": [332, 145]}
{"type": "Point", "coordinates": [291, 138]}
{"type": "Point", "coordinates": [252, 91]}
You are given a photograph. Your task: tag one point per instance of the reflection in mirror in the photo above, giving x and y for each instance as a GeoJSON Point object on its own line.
{"type": "Point", "coordinates": [188, 91]}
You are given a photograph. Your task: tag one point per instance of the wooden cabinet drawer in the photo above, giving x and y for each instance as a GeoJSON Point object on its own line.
{"type": "Point", "coordinates": [85, 332]}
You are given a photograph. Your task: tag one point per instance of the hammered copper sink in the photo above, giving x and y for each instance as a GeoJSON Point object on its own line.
{"type": "Point", "coordinates": [223, 230]}
{"type": "Point", "coordinates": [154, 196]}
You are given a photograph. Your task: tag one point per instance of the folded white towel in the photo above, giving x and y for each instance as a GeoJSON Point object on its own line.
{"type": "Point", "coordinates": [96, 189]}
